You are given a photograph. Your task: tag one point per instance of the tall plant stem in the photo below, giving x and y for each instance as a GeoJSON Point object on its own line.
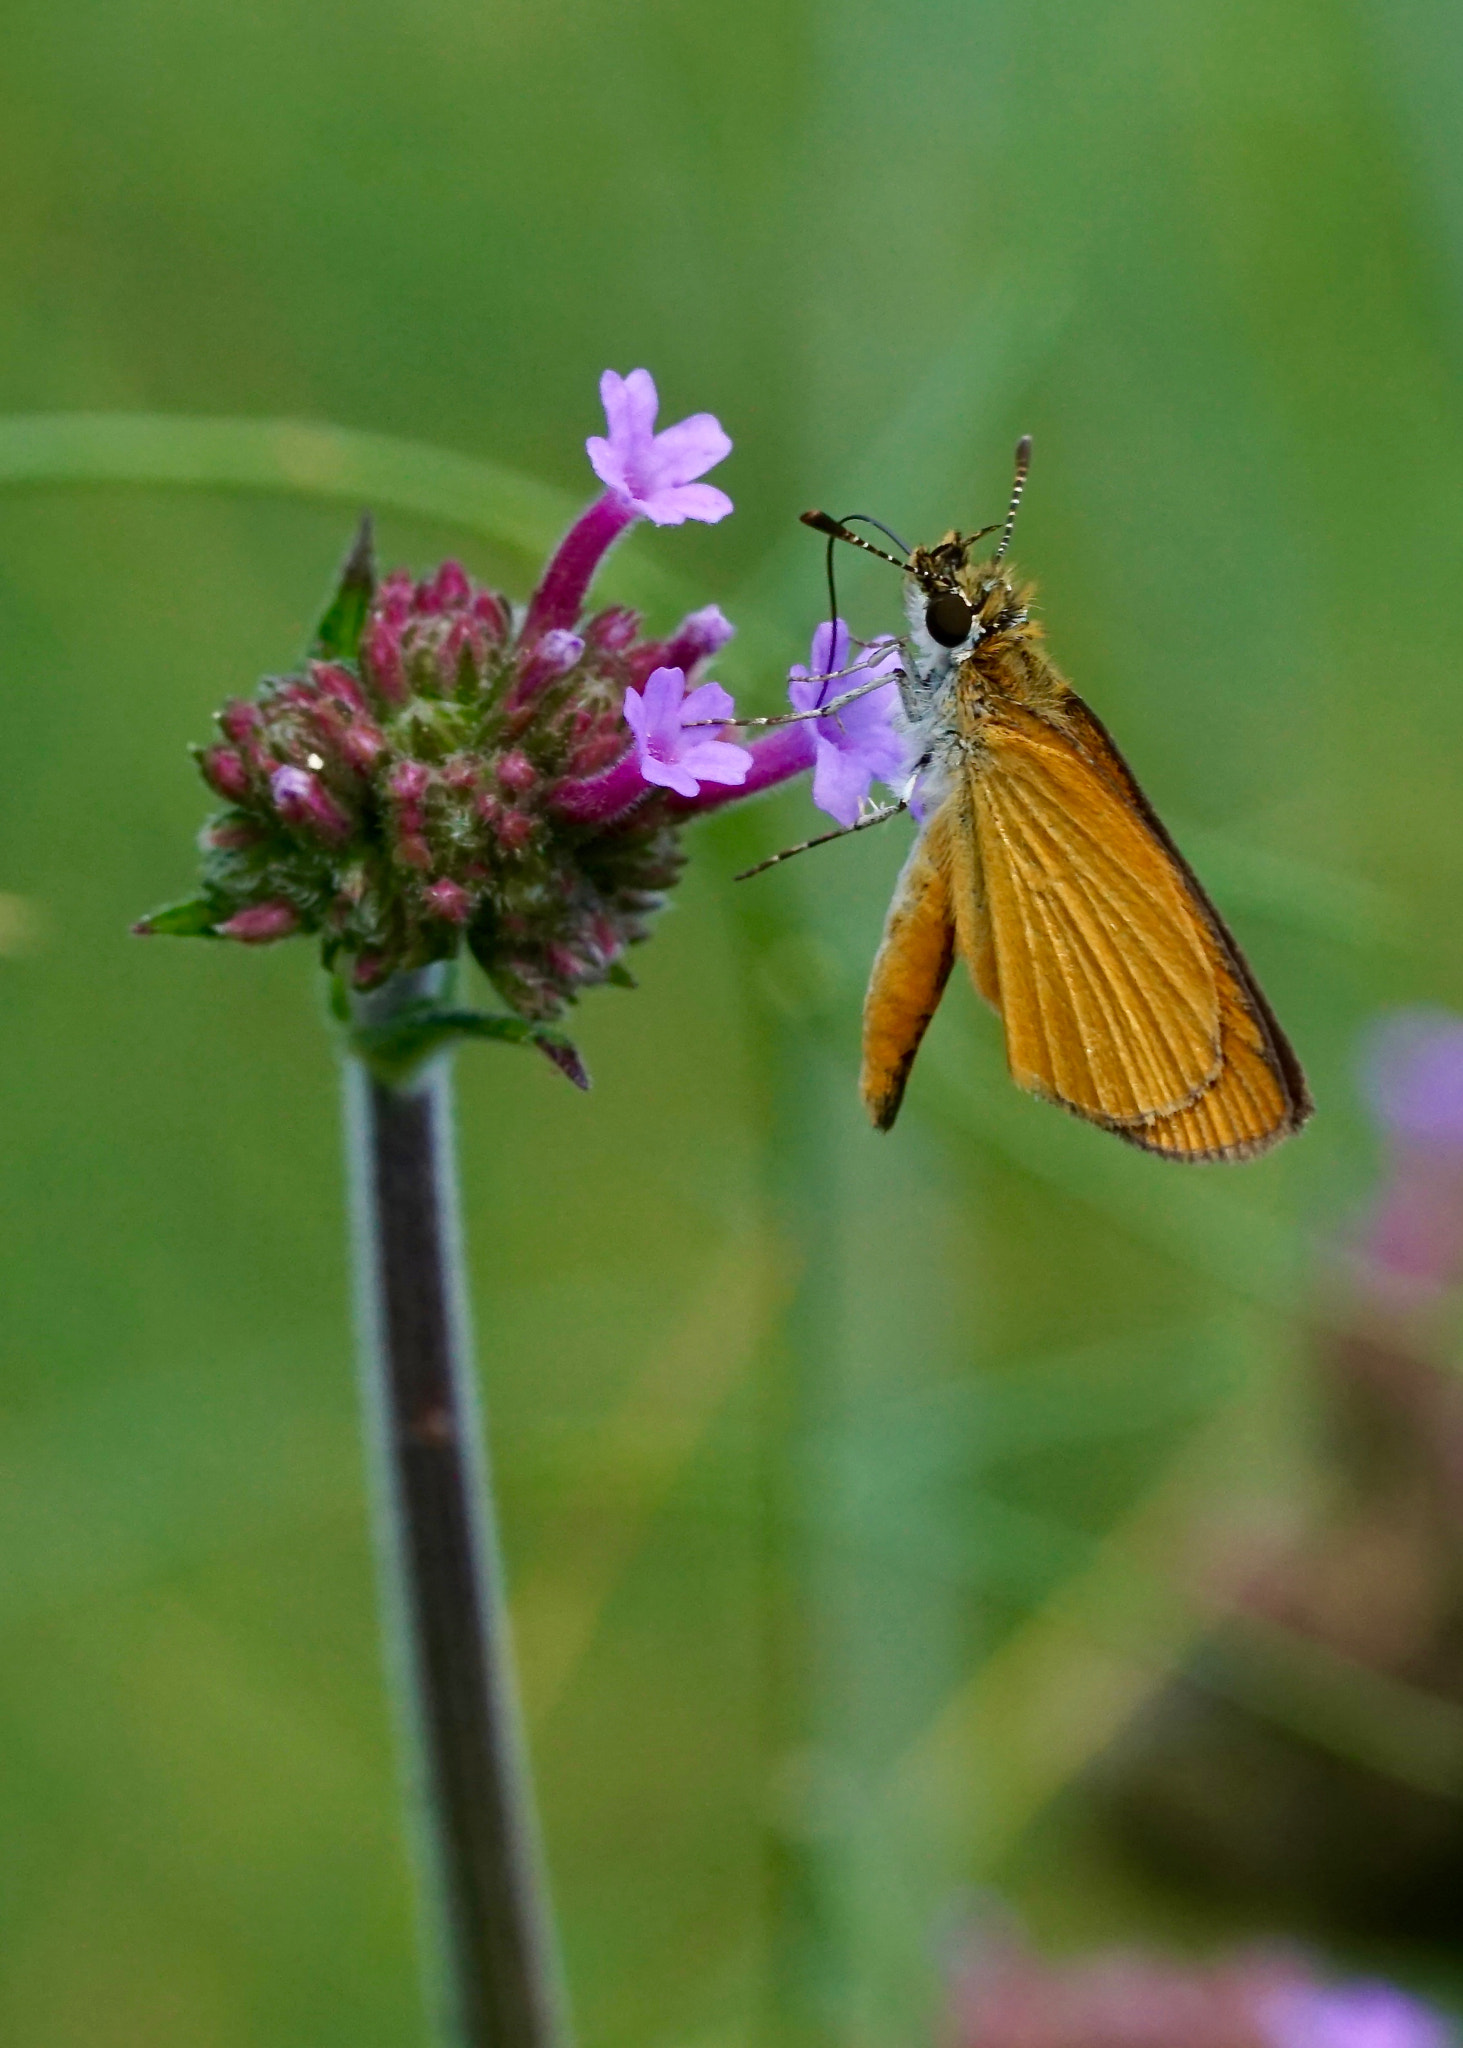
{"type": "Point", "coordinates": [492, 1972]}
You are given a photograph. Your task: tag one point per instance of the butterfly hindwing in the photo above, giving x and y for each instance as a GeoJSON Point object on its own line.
{"type": "Point", "coordinates": [910, 970]}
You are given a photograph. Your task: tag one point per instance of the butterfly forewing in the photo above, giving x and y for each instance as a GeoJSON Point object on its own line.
{"type": "Point", "coordinates": [1107, 985]}
{"type": "Point", "coordinates": [1124, 996]}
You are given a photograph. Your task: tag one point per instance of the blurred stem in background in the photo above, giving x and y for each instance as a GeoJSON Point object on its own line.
{"type": "Point", "coordinates": [483, 1903]}
{"type": "Point", "coordinates": [805, 1968]}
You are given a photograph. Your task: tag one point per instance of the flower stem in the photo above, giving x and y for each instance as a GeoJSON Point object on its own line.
{"type": "Point", "coordinates": [493, 1977]}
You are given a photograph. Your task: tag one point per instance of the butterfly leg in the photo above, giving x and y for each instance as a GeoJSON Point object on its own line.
{"type": "Point", "coordinates": [877, 816]}
{"type": "Point", "coordinates": [910, 970]}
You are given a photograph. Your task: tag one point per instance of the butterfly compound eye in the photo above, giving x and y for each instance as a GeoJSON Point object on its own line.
{"type": "Point", "coordinates": [948, 617]}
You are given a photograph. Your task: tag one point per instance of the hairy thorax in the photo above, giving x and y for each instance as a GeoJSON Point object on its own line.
{"type": "Point", "coordinates": [1003, 663]}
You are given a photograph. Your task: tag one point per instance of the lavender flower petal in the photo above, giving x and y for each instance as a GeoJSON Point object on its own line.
{"type": "Point", "coordinates": [691, 447]}
{"type": "Point", "coordinates": [674, 506]}
{"type": "Point", "coordinates": [776, 757]}
{"type": "Point", "coordinates": [655, 473]}
{"type": "Point", "coordinates": [860, 743]}
{"type": "Point", "coordinates": [670, 755]}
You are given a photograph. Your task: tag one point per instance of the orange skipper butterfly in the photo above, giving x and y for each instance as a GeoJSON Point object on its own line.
{"type": "Point", "coordinates": [1041, 863]}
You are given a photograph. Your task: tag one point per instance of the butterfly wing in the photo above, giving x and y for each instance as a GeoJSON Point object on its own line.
{"type": "Point", "coordinates": [911, 967]}
{"type": "Point", "coordinates": [1124, 997]}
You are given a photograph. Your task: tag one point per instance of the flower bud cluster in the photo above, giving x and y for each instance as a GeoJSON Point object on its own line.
{"type": "Point", "coordinates": [456, 770]}
{"type": "Point", "coordinates": [401, 804]}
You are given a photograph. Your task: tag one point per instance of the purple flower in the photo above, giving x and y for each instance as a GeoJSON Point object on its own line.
{"type": "Point", "coordinates": [1358, 2015]}
{"type": "Point", "coordinates": [650, 476]}
{"type": "Point", "coordinates": [655, 472]}
{"type": "Point", "coordinates": [1412, 1076]}
{"type": "Point", "coordinates": [861, 742]}
{"type": "Point", "coordinates": [1412, 1072]}
{"type": "Point", "coordinates": [666, 752]}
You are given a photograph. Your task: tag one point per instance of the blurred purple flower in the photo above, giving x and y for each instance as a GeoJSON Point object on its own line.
{"type": "Point", "coordinates": [654, 472]}
{"type": "Point", "coordinates": [666, 752]}
{"type": "Point", "coordinates": [860, 743]}
{"type": "Point", "coordinates": [1412, 1077]}
{"type": "Point", "coordinates": [1005, 1996]}
{"type": "Point", "coordinates": [1365, 2014]}
{"type": "Point", "coordinates": [1412, 1073]}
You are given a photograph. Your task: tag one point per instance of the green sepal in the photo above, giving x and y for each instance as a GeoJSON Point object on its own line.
{"type": "Point", "coordinates": [395, 1050]}
{"type": "Point", "coordinates": [194, 919]}
{"type": "Point", "coordinates": [338, 635]}
{"type": "Point", "coordinates": [619, 975]}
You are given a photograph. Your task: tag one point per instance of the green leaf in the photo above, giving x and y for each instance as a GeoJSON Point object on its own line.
{"type": "Point", "coordinates": [395, 1050]}
{"type": "Point", "coordinates": [194, 919]}
{"type": "Point", "coordinates": [619, 976]}
{"type": "Point", "coordinates": [338, 635]}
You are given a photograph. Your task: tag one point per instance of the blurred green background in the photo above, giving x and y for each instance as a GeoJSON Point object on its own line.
{"type": "Point", "coordinates": [840, 1475]}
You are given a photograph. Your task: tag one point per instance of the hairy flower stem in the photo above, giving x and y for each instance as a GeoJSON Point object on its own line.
{"type": "Point", "coordinates": [484, 1910]}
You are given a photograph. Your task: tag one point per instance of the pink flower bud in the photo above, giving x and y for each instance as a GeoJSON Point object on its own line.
{"type": "Point", "coordinates": [553, 656]}
{"type": "Point", "coordinates": [490, 614]}
{"type": "Point", "coordinates": [516, 771]}
{"type": "Point", "coordinates": [229, 835]}
{"type": "Point", "coordinates": [381, 658]}
{"type": "Point", "coordinates": [225, 773]}
{"type": "Point", "coordinates": [409, 781]}
{"type": "Point", "coordinates": [515, 829]}
{"type": "Point", "coordinates": [334, 681]}
{"type": "Point", "coordinates": [613, 630]}
{"type": "Point", "coordinates": [448, 900]}
{"type": "Point", "coordinates": [238, 719]}
{"type": "Point", "coordinates": [698, 637]}
{"type": "Point", "coordinates": [460, 638]}
{"type": "Point", "coordinates": [260, 924]}
{"type": "Point", "coordinates": [395, 596]}
{"type": "Point", "coordinates": [412, 851]}
{"type": "Point", "coordinates": [448, 590]}
{"type": "Point", "coordinates": [300, 800]}
{"type": "Point", "coordinates": [460, 774]}
{"type": "Point", "coordinates": [361, 746]}
{"type": "Point", "coordinates": [368, 968]}
{"type": "Point", "coordinates": [601, 742]}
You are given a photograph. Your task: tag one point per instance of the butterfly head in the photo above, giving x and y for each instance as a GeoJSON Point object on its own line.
{"type": "Point", "coordinates": [953, 599]}
{"type": "Point", "coordinates": [958, 601]}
